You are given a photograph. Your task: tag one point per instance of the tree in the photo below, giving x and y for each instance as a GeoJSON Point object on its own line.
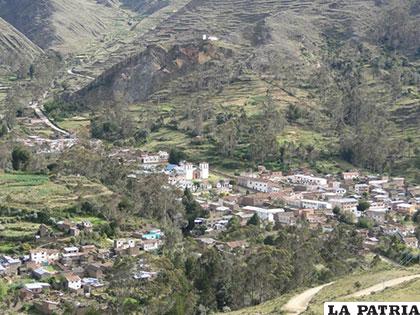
{"type": "Point", "coordinates": [176, 156]}
{"type": "Point", "coordinates": [20, 158]}
{"type": "Point", "coordinates": [263, 144]}
{"type": "Point", "coordinates": [363, 205]}
{"type": "Point", "coordinates": [234, 224]}
{"type": "Point", "coordinates": [254, 220]}
{"type": "Point", "coordinates": [192, 209]}
{"type": "Point", "coordinates": [31, 71]}
{"type": "Point", "coordinates": [365, 223]}
{"type": "Point", "coordinates": [227, 138]}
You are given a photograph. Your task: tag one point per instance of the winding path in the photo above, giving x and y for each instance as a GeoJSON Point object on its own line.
{"type": "Point", "coordinates": [46, 120]}
{"type": "Point", "coordinates": [71, 72]}
{"type": "Point", "coordinates": [299, 303]}
{"type": "Point", "coordinates": [38, 111]}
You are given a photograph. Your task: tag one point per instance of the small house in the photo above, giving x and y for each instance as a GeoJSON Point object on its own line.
{"type": "Point", "coordinates": [73, 282]}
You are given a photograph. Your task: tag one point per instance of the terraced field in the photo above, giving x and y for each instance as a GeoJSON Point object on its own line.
{"type": "Point", "coordinates": [38, 192]}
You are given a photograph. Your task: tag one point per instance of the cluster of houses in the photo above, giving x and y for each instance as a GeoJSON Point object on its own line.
{"type": "Point", "coordinates": [183, 175]}
{"type": "Point", "coordinates": [47, 146]}
{"type": "Point", "coordinates": [63, 228]}
{"type": "Point", "coordinates": [77, 270]}
{"type": "Point", "coordinates": [131, 156]}
{"type": "Point", "coordinates": [290, 199]}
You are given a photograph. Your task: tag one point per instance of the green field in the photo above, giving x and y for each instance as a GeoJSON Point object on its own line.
{"type": "Point", "coordinates": [75, 124]}
{"type": "Point", "coordinates": [38, 192]}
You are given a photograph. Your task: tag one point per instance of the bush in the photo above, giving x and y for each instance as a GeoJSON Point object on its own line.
{"type": "Point", "coordinates": [20, 158]}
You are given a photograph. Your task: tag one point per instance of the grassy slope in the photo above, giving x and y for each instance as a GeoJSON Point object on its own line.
{"type": "Point", "coordinates": [406, 292]}
{"type": "Point", "coordinates": [15, 47]}
{"type": "Point", "coordinates": [345, 286]}
{"type": "Point", "coordinates": [79, 23]}
{"type": "Point", "coordinates": [38, 192]}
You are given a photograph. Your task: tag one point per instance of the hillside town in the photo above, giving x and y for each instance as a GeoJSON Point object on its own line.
{"type": "Point", "coordinates": [54, 273]}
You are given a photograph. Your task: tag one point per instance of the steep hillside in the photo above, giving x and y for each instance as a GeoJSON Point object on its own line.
{"type": "Point", "coordinates": [32, 18]}
{"type": "Point", "coordinates": [267, 36]}
{"type": "Point", "coordinates": [141, 75]}
{"type": "Point", "coordinates": [15, 49]}
{"type": "Point", "coordinates": [67, 26]}
{"type": "Point", "coordinates": [323, 62]}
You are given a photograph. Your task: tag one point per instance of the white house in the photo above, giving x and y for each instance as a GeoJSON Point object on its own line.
{"type": "Point", "coordinates": [70, 250]}
{"type": "Point", "coordinates": [124, 243]}
{"type": "Point", "coordinates": [350, 175]}
{"type": "Point", "coordinates": [315, 204]}
{"type": "Point", "coordinates": [44, 255]}
{"type": "Point", "coordinates": [73, 282]}
{"type": "Point", "coordinates": [150, 159]}
{"type": "Point", "coordinates": [210, 37]}
{"type": "Point", "coordinates": [155, 158]}
{"type": "Point", "coordinates": [307, 180]}
{"type": "Point", "coordinates": [150, 245]}
{"type": "Point", "coordinates": [191, 172]}
{"type": "Point", "coordinates": [263, 214]}
{"type": "Point", "coordinates": [204, 170]}
{"type": "Point", "coordinates": [258, 184]}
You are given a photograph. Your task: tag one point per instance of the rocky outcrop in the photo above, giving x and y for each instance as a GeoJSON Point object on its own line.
{"type": "Point", "coordinates": [138, 77]}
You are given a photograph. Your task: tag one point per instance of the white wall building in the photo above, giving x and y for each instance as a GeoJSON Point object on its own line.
{"type": "Point", "coordinates": [264, 214]}
{"type": "Point", "coordinates": [124, 243]}
{"type": "Point", "coordinates": [189, 171]}
{"type": "Point", "coordinates": [73, 282]}
{"type": "Point", "coordinates": [257, 184]}
{"type": "Point", "coordinates": [345, 204]}
{"type": "Point", "coordinates": [315, 204]}
{"type": "Point", "coordinates": [44, 255]}
{"type": "Point", "coordinates": [204, 170]}
{"type": "Point", "coordinates": [307, 180]}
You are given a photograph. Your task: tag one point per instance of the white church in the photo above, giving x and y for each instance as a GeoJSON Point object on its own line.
{"type": "Point", "coordinates": [192, 172]}
{"type": "Point", "coordinates": [185, 174]}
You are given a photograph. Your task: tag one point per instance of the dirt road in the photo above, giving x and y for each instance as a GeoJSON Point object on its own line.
{"type": "Point", "coordinates": [71, 72]}
{"type": "Point", "coordinates": [46, 120]}
{"type": "Point", "coordinates": [299, 303]}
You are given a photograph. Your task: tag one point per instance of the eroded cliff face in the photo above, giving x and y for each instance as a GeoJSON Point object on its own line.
{"type": "Point", "coordinates": [139, 77]}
